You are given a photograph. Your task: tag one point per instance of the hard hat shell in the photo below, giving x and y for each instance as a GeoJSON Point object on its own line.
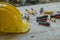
{"type": "Point", "coordinates": [11, 19]}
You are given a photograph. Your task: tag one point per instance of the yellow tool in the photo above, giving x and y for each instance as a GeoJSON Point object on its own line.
{"type": "Point", "coordinates": [48, 12]}
{"type": "Point", "coordinates": [11, 19]}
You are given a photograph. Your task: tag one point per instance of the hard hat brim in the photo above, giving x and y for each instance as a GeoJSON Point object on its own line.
{"type": "Point", "coordinates": [26, 27]}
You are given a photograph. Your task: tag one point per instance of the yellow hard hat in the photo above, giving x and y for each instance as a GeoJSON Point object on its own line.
{"type": "Point", "coordinates": [11, 19]}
